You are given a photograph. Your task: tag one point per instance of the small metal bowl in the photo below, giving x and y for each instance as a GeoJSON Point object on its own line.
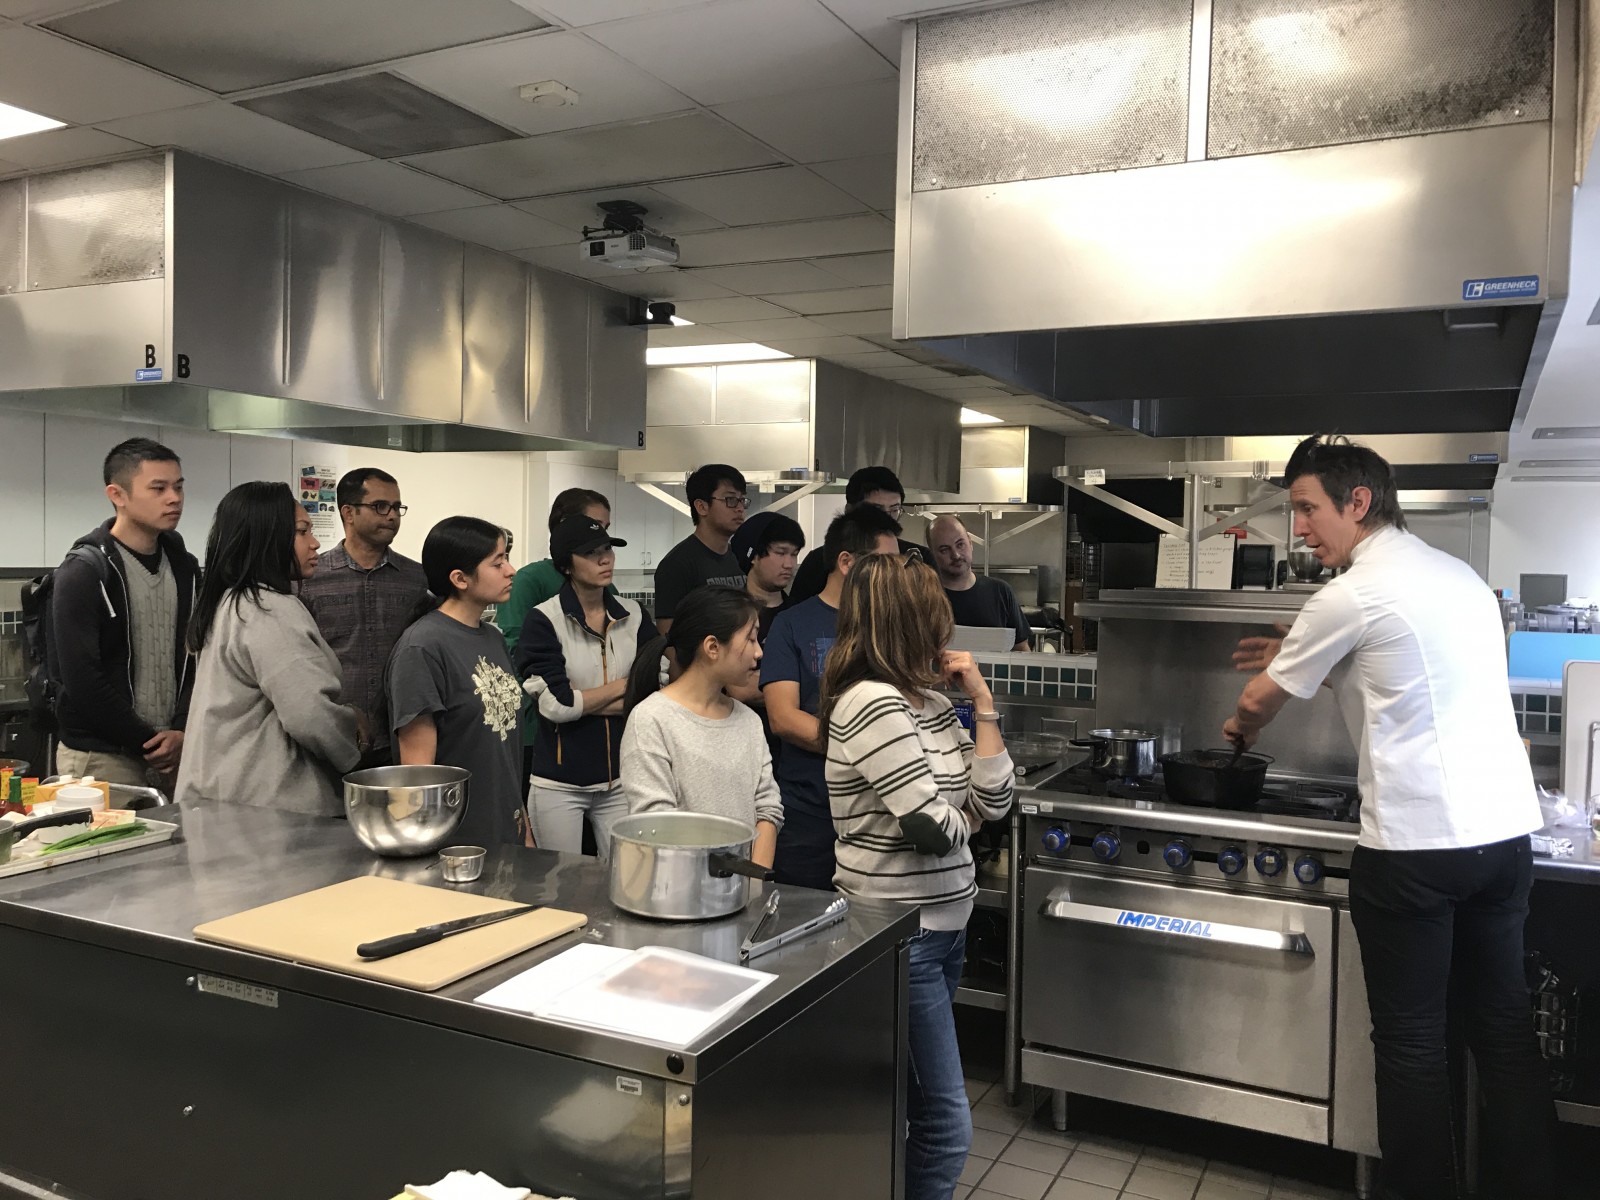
{"type": "Point", "coordinates": [461, 864]}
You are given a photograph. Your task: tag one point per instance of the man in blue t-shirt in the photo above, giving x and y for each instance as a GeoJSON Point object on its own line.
{"type": "Point", "coordinates": [791, 679]}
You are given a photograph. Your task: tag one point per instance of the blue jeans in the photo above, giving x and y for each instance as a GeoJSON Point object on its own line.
{"type": "Point", "coordinates": [936, 1092]}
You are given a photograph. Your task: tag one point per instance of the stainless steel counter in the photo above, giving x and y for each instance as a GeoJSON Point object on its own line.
{"type": "Point", "coordinates": [1582, 866]}
{"type": "Point", "coordinates": [338, 1066]}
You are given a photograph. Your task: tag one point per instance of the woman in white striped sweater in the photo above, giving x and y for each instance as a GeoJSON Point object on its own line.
{"type": "Point", "coordinates": [906, 786]}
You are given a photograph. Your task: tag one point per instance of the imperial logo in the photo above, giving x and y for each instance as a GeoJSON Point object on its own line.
{"type": "Point", "coordinates": [1176, 925]}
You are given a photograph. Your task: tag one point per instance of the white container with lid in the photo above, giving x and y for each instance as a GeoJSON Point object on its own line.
{"type": "Point", "coordinates": [78, 796]}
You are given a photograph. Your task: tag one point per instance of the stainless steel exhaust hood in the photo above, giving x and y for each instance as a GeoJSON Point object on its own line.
{"type": "Point", "coordinates": [172, 290]}
{"type": "Point", "coordinates": [1242, 217]}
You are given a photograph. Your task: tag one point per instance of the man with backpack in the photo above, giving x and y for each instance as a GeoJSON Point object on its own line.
{"type": "Point", "coordinates": [118, 613]}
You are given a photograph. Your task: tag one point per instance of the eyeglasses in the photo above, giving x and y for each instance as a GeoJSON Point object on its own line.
{"type": "Point", "coordinates": [734, 501]}
{"type": "Point", "coordinates": [894, 510]}
{"type": "Point", "coordinates": [383, 508]}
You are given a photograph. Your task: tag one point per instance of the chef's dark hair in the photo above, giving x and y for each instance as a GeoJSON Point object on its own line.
{"type": "Point", "coordinates": [352, 487]}
{"type": "Point", "coordinates": [1341, 466]}
{"type": "Point", "coordinates": [574, 502]}
{"type": "Point", "coordinates": [872, 479]}
{"type": "Point", "coordinates": [454, 544]}
{"type": "Point", "coordinates": [706, 480]}
{"type": "Point", "coordinates": [855, 532]}
{"type": "Point", "coordinates": [123, 463]}
{"type": "Point", "coordinates": [710, 611]}
{"type": "Point", "coordinates": [250, 550]}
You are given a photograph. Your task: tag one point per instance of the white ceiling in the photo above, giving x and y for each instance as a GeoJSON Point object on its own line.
{"type": "Point", "coordinates": [760, 133]}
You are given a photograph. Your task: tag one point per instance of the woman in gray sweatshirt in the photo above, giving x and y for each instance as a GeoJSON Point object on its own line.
{"type": "Point", "coordinates": [265, 725]}
{"type": "Point", "coordinates": [690, 745]}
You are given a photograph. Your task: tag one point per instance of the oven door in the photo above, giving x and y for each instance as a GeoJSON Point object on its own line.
{"type": "Point", "coordinates": [1185, 979]}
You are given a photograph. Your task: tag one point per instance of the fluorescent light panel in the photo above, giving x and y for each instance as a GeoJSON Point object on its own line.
{"type": "Point", "coordinates": [676, 356]}
{"type": "Point", "coordinates": [971, 416]}
{"type": "Point", "coordinates": [15, 122]}
{"type": "Point", "coordinates": [677, 320]}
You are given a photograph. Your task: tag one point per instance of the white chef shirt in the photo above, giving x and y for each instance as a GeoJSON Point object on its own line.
{"type": "Point", "coordinates": [1411, 641]}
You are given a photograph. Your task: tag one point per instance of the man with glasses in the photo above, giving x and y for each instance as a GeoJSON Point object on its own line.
{"type": "Point", "coordinates": [717, 504]}
{"type": "Point", "coordinates": [877, 486]}
{"type": "Point", "coordinates": [363, 593]}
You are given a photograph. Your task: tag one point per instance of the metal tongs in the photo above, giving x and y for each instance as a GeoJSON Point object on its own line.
{"type": "Point", "coordinates": [754, 946]}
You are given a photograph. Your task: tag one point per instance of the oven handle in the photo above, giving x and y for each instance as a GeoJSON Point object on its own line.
{"type": "Point", "coordinates": [1059, 906]}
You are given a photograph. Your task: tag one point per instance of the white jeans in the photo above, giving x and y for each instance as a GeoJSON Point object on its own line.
{"type": "Point", "coordinates": [557, 817]}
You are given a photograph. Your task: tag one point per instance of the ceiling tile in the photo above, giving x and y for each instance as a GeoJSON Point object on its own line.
{"type": "Point", "coordinates": [379, 114]}
{"type": "Point", "coordinates": [739, 308]}
{"type": "Point", "coordinates": [387, 187]}
{"type": "Point", "coordinates": [501, 227]}
{"type": "Point", "coordinates": [871, 19]}
{"type": "Point", "coordinates": [760, 278]}
{"type": "Point", "coordinates": [870, 180]}
{"type": "Point", "coordinates": [235, 135]}
{"type": "Point", "coordinates": [58, 147]}
{"type": "Point", "coordinates": [861, 324]}
{"type": "Point", "coordinates": [761, 197]}
{"type": "Point", "coordinates": [863, 270]}
{"type": "Point", "coordinates": [577, 209]}
{"type": "Point", "coordinates": [801, 239]}
{"type": "Point", "coordinates": [661, 283]}
{"type": "Point", "coordinates": [821, 126]}
{"type": "Point", "coordinates": [781, 329]}
{"type": "Point", "coordinates": [639, 152]}
{"type": "Point", "coordinates": [37, 10]}
{"type": "Point", "coordinates": [912, 374]}
{"type": "Point", "coordinates": [836, 300]}
{"type": "Point", "coordinates": [745, 48]}
{"type": "Point", "coordinates": [11, 168]}
{"type": "Point", "coordinates": [46, 74]}
{"type": "Point", "coordinates": [692, 335]}
{"type": "Point", "coordinates": [821, 347]}
{"type": "Point", "coordinates": [231, 47]}
{"type": "Point", "coordinates": [862, 362]}
{"type": "Point", "coordinates": [593, 12]}
{"type": "Point", "coordinates": [486, 79]}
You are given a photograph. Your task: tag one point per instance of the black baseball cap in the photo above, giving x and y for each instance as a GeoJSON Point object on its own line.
{"type": "Point", "coordinates": [763, 528]}
{"type": "Point", "coordinates": [579, 534]}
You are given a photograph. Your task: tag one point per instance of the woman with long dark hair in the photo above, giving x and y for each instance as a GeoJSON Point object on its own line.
{"type": "Point", "coordinates": [690, 745]}
{"type": "Point", "coordinates": [573, 657]}
{"type": "Point", "coordinates": [265, 724]}
{"type": "Point", "coordinates": [906, 786]}
{"type": "Point", "coordinates": [453, 698]}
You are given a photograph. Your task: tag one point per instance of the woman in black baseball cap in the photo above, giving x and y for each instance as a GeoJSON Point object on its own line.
{"type": "Point", "coordinates": [573, 657]}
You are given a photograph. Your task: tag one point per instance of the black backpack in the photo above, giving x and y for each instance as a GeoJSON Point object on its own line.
{"type": "Point", "coordinates": [43, 683]}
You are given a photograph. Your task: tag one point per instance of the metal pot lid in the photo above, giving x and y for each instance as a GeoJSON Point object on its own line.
{"type": "Point", "coordinates": [1124, 735]}
{"type": "Point", "coordinates": [684, 830]}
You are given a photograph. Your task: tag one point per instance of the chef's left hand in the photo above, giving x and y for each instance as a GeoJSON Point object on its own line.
{"type": "Point", "coordinates": [163, 751]}
{"type": "Point", "coordinates": [1237, 733]}
{"type": "Point", "coordinates": [960, 671]}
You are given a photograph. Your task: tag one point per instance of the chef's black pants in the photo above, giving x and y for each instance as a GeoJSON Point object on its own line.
{"type": "Point", "coordinates": [1441, 944]}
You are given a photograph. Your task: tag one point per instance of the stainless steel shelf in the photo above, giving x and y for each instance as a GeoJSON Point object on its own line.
{"type": "Point", "coordinates": [1573, 1112]}
{"type": "Point", "coordinates": [1191, 604]}
{"type": "Point", "coordinates": [974, 997]}
{"type": "Point", "coordinates": [990, 898]}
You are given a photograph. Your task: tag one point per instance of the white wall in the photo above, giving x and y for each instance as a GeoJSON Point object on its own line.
{"type": "Point", "coordinates": [1546, 528]}
{"type": "Point", "coordinates": [51, 490]}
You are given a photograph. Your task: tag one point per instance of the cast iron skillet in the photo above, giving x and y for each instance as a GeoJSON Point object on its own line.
{"type": "Point", "coordinates": [1206, 777]}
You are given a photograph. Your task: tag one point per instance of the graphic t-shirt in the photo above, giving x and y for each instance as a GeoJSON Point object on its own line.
{"type": "Point", "coordinates": [462, 677]}
{"type": "Point", "coordinates": [689, 565]}
{"type": "Point", "coordinates": [794, 653]}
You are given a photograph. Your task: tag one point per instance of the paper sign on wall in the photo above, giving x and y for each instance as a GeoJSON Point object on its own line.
{"type": "Point", "coordinates": [1094, 476]}
{"type": "Point", "coordinates": [1215, 562]}
{"type": "Point", "coordinates": [320, 499]}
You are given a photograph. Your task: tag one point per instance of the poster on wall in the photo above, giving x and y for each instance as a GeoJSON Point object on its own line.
{"type": "Point", "coordinates": [320, 500]}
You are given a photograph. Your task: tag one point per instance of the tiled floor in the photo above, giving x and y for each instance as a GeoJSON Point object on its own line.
{"type": "Point", "coordinates": [1016, 1155]}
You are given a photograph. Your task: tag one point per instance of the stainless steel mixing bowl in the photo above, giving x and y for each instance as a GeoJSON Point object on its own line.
{"type": "Point", "coordinates": [407, 811]}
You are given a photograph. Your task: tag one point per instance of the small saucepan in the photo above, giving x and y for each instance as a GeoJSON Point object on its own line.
{"type": "Point", "coordinates": [682, 866]}
{"type": "Point", "coordinates": [1214, 778]}
{"type": "Point", "coordinates": [1121, 753]}
{"type": "Point", "coordinates": [11, 832]}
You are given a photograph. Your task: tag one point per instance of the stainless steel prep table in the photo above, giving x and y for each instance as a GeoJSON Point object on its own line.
{"type": "Point", "coordinates": [311, 1083]}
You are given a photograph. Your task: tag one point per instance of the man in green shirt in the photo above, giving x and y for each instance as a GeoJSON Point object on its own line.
{"type": "Point", "coordinates": [537, 582]}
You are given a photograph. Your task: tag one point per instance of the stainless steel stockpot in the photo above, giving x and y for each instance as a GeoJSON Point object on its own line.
{"type": "Point", "coordinates": [682, 866]}
{"type": "Point", "coordinates": [1121, 753]}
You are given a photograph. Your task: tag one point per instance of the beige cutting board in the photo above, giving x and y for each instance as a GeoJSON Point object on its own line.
{"type": "Point", "coordinates": [324, 927]}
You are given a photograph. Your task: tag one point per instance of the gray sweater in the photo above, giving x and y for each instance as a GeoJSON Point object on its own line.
{"type": "Point", "coordinates": [265, 725]}
{"type": "Point", "coordinates": [673, 758]}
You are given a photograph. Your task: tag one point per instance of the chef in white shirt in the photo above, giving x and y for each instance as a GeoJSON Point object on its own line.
{"type": "Point", "coordinates": [1410, 641]}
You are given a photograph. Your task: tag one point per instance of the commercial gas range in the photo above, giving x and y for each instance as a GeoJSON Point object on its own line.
{"type": "Point", "coordinates": [1196, 960]}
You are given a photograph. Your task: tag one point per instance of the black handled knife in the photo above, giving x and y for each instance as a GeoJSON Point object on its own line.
{"type": "Point", "coordinates": [428, 934]}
